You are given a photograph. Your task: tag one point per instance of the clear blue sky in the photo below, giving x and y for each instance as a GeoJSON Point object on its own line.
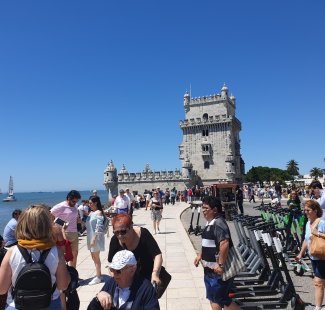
{"type": "Point", "coordinates": [83, 82]}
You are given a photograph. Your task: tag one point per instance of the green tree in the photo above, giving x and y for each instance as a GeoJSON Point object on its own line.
{"type": "Point", "coordinates": [316, 173]}
{"type": "Point", "coordinates": [261, 174]}
{"type": "Point", "coordinates": [292, 168]}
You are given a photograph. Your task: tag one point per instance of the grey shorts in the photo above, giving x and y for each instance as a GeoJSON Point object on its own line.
{"type": "Point", "coordinates": [156, 215]}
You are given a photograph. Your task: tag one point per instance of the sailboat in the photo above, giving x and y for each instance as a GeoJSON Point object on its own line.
{"type": "Point", "coordinates": [10, 196]}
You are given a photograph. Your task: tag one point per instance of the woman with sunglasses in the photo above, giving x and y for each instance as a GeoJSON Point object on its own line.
{"type": "Point", "coordinates": [139, 241]}
{"type": "Point", "coordinates": [315, 226]}
{"type": "Point", "coordinates": [95, 235]}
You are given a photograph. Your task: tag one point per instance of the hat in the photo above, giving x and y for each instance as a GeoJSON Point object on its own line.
{"type": "Point", "coordinates": [157, 187]}
{"type": "Point", "coordinates": [122, 259]}
{"type": "Point", "coordinates": [127, 189]}
{"type": "Point", "coordinates": [95, 191]}
{"type": "Point", "coordinates": [122, 190]}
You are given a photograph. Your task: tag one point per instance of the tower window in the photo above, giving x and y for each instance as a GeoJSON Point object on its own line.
{"type": "Point", "coordinates": [205, 132]}
{"type": "Point", "coordinates": [205, 148]}
{"type": "Point", "coordinates": [205, 116]}
{"type": "Point", "coordinates": [206, 165]}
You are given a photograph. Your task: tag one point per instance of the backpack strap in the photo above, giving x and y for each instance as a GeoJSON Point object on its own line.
{"type": "Point", "coordinates": [26, 255]}
{"type": "Point", "coordinates": [42, 261]}
{"type": "Point", "coordinates": [43, 256]}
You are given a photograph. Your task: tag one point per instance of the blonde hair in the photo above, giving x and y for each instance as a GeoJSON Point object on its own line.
{"type": "Point", "coordinates": [35, 223]}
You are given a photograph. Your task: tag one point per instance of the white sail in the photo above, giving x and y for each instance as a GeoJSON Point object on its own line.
{"type": "Point", "coordinates": [10, 196]}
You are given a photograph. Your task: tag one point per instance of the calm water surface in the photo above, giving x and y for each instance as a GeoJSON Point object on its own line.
{"type": "Point", "coordinates": [24, 200]}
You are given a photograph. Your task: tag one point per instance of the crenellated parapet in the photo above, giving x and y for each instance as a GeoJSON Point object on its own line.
{"type": "Point", "coordinates": [148, 175]}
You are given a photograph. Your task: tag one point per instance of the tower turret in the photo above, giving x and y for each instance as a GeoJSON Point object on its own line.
{"type": "Point", "coordinates": [110, 180]}
{"type": "Point", "coordinates": [187, 168]}
{"type": "Point", "coordinates": [224, 91]}
{"type": "Point", "coordinates": [187, 100]}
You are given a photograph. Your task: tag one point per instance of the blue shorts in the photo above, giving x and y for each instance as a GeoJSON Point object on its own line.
{"type": "Point", "coordinates": [217, 290]}
{"type": "Point", "coordinates": [319, 268]}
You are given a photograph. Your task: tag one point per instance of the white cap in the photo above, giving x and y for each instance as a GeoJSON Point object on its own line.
{"type": "Point", "coordinates": [122, 259]}
{"type": "Point", "coordinates": [95, 191]}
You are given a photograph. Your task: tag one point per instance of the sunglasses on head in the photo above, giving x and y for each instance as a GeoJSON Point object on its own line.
{"type": "Point", "coordinates": [120, 232]}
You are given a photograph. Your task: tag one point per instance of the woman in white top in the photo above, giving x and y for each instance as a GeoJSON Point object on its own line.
{"type": "Point", "coordinates": [95, 235]}
{"type": "Point", "coordinates": [34, 233]}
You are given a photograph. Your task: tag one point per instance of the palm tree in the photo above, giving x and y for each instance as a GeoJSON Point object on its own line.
{"type": "Point", "coordinates": [292, 167]}
{"type": "Point", "coordinates": [316, 173]}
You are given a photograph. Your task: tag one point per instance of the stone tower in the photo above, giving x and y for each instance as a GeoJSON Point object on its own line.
{"type": "Point", "coordinates": [211, 144]}
{"type": "Point", "coordinates": [110, 180]}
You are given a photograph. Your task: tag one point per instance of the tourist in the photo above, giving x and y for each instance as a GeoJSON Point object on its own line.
{"type": "Point", "coordinates": [131, 200]}
{"type": "Point", "coordinates": [34, 233]}
{"type": "Point", "coordinates": [315, 226]}
{"type": "Point", "coordinates": [122, 203]}
{"type": "Point", "coordinates": [95, 235]}
{"type": "Point", "coordinates": [189, 194]}
{"type": "Point", "coordinates": [126, 288]}
{"type": "Point", "coordinates": [318, 194]}
{"type": "Point", "coordinates": [160, 193]}
{"type": "Point", "coordinates": [278, 190]}
{"type": "Point", "coordinates": [147, 195]}
{"type": "Point", "coordinates": [294, 201]}
{"type": "Point", "coordinates": [156, 208]}
{"type": "Point", "coordinates": [239, 199]}
{"type": "Point", "coordinates": [216, 241]}
{"type": "Point", "coordinates": [68, 211]}
{"type": "Point", "coordinates": [95, 192]}
{"type": "Point", "coordinates": [173, 194]}
{"type": "Point", "coordinates": [139, 241]}
{"type": "Point", "coordinates": [251, 194]}
{"type": "Point", "coordinates": [83, 210]}
{"type": "Point", "coordinates": [167, 197]}
{"type": "Point", "coordinates": [10, 229]}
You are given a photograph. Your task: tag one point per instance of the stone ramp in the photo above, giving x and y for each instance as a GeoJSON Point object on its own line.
{"type": "Point", "coordinates": [186, 289]}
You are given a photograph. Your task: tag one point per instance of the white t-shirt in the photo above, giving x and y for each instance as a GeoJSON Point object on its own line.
{"type": "Point", "coordinates": [121, 202]}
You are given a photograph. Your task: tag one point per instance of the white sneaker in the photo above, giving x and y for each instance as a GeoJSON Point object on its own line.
{"type": "Point", "coordinates": [95, 280]}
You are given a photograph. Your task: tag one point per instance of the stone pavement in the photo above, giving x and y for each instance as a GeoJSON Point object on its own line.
{"type": "Point", "coordinates": [186, 289]}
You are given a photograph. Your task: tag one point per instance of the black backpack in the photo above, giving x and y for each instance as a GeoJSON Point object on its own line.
{"type": "Point", "coordinates": [33, 288]}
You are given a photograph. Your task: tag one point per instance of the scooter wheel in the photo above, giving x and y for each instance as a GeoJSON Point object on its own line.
{"type": "Point", "coordinates": [282, 288]}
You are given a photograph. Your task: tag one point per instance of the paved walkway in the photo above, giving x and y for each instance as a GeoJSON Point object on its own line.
{"type": "Point", "coordinates": [186, 289]}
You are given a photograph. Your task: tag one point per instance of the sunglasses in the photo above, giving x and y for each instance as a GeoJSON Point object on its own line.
{"type": "Point", "coordinates": [120, 232]}
{"type": "Point", "coordinates": [118, 271]}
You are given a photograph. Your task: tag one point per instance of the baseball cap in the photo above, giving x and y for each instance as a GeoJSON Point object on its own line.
{"type": "Point", "coordinates": [95, 191]}
{"type": "Point", "coordinates": [122, 190]}
{"type": "Point", "coordinates": [122, 259]}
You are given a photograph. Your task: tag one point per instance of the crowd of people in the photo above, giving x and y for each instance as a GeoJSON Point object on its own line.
{"type": "Point", "coordinates": [49, 237]}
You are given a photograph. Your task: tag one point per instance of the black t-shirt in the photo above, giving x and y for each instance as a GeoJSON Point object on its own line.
{"type": "Point", "coordinates": [144, 253]}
